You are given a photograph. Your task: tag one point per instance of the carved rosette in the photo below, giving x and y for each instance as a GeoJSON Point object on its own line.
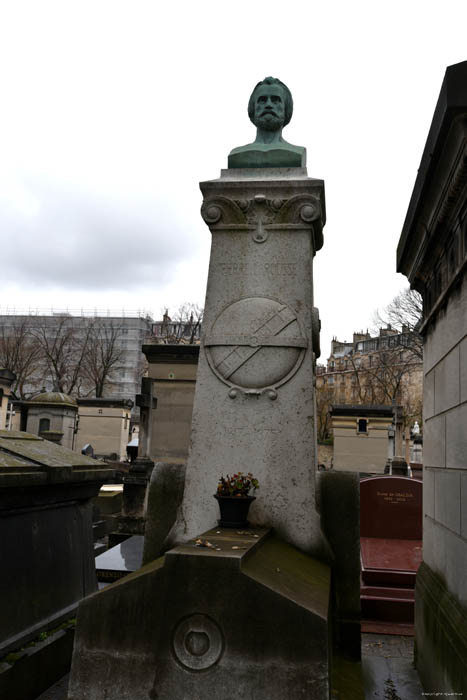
{"type": "Point", "coordinates": [197, 642]}
{"type": "Point", "coordinates": [260, 214]}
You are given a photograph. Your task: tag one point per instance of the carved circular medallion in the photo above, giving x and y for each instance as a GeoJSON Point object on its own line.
{"type": "Point", "coordinates": [197, 642]}
{"type": "Point", "coordinates": [255, 344]}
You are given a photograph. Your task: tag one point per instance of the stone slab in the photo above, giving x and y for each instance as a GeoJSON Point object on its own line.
{"type": "Point", "coordinates": [429, 395]}
{"type": "Point", "coordinates": [434, 442]}
{"type": "Point", "coordinates": [120, 560]}
{"type": "Point", "coordinates": [463, 370]}
{"type": "Point", "coordinates": [447, 498]}
{"type": "Point", "coordinates": [464, 505]}
{"type": "Point", "coordinates": [456, 438]}
{"type": "Point", "coordinates": [447, 386]}
{"type": "Point", "coordinates": [429, 492]}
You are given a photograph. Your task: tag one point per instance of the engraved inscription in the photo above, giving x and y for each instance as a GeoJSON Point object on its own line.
{"type": "Point", "coordinates": [395, 496]}
{"type": "Point", "coordinates": [272, 269]}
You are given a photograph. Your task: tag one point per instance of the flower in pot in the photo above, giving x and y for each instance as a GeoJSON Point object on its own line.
{"type": "Point", "coordinates": [233, 496]}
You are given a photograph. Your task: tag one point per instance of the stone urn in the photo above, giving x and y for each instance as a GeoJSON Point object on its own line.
{"type": "Point", "coordinates": [234, 510]}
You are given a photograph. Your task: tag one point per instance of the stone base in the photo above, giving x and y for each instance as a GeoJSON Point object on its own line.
{"type": "Point", "coordinates": [246, 617]}
{"type": "Point", "coordinates": [34, 669]}
{"type": "Point", "coordinates": [440, 635]}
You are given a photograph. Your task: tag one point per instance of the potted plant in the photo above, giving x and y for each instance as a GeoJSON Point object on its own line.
{"type": "Point", "coordinates": [233, 496]}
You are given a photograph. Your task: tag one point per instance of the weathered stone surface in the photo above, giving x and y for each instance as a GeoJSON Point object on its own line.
{"type": "Point", "coordinates": [447, 498]}
{"type": "Point", "coordinates": [432, 253]}
{"type": "Point", "coordinates": [46, 534]}
{"type": "Point", "coordinates": [441, 635]}
{"type": "Point", "coordinates": [339, 492]}
{"type": "Point", "coordinates": [254, 401]}
{"type": "Point", "coordinates": [245, 618]}
{"type": "Point", "coordinates": [165, 492]}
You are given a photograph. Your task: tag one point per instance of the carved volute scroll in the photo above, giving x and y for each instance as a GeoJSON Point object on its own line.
{"type": "Point", "coordinates": [259, 213]}
{"type": "Point", "coordinates": [222, 210]}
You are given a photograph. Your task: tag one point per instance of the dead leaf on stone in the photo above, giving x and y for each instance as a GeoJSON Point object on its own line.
{"type": "Point", "coordinates": [237, 547]}
{"type": "Point", "coordinates": [203, 543]}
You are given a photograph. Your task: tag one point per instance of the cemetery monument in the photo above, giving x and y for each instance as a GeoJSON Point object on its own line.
{"type": "Point", "coordinates": [230, 613]}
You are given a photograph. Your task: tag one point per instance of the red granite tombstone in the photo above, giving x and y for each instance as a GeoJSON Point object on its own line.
{"type": "Point", "coordinates": [391, 548]}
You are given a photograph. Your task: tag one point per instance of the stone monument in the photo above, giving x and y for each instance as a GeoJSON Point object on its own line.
{"type": "Point", "coordinates": [237, 613]}
{"type": "Point", "coordinates": [254, 400]}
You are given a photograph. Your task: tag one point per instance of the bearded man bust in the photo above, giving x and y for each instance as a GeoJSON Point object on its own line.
{"type": "Point", "coordinates": [270, 108]}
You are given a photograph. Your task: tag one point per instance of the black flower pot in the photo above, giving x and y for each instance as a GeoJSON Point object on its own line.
{"type": "Point", "coordinates": [234, 510]}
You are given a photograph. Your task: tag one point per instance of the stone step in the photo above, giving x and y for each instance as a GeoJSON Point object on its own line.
{"type": "Point", "coordinates": [391, 604]}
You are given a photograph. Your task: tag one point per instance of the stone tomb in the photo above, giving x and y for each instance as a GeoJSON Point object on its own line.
{"type": "Point", "coordinates": [391, 547]}
{"type": "Point", "coordinates": [46, 555]}
{"type": "Point", "coordinates": [246, 617]}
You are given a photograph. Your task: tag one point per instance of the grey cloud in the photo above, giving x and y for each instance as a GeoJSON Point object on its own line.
{"type": "Point", "coordinates": [78, 240]}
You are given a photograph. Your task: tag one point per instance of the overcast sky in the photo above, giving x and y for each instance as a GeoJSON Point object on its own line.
{"type": "Point", "coordinates": [112, 112]}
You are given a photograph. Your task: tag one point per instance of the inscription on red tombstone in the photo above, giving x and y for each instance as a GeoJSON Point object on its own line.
{"type": "Point", "coordinates": [391, 508]}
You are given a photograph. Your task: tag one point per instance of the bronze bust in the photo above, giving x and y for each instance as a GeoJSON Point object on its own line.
{"type": "Point", "coordinates": [270, 108]}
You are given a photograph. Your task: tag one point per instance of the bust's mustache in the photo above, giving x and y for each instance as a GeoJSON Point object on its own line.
{"type": "Point", "coordinates": [265, 112]}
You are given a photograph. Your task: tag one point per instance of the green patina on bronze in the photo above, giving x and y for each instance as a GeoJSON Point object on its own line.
{"type": "Point", "coordinates": [270, 108]}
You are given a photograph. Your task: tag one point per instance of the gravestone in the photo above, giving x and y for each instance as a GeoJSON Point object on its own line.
{"type": "Point", "coordinates": [236, 613]}
{"type": "Point", "coordinates": [391, 548]}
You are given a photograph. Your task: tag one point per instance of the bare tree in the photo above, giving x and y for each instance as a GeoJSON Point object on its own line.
{"type": "Point", "coordinates": [103, 353]}
{"type": "Point", "coordinates": [405, 313]}
{"type": "Point", "coordinates": [63, 348]}
{"type": "Point", "coordinates": [380, 377]}
{"type": "Point", "coordinates": [19, 352]}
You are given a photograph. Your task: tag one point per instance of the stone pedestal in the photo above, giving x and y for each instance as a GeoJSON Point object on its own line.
{"type": "Point", "coordinates": [132, 520]}
{"type": "Point", "coordinates": [254, 399]}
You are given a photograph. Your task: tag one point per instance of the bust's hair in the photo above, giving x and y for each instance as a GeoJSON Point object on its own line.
{"type": "Point", "coordinates": [287, 98]}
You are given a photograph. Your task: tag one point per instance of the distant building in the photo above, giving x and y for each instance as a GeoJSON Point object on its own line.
{"type": "Point", "coordinates": [362, 438]}
{"type": "Point", "coordinates": [104, 424]}
{"type": "Point", "coordinates": [375, 370]}
{"type": "Point", "coordinates": [121, 335]}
